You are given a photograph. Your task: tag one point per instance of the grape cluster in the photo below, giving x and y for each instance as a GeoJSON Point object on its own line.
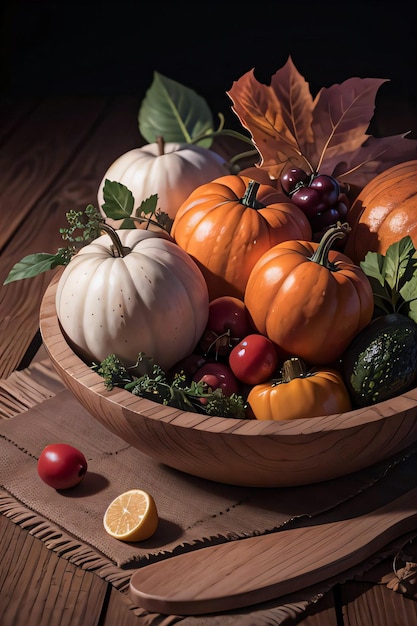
{"type": "Point", "coordinates": [319, 196]}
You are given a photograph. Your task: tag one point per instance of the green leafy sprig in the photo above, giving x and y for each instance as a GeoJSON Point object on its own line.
{"type": "Point", "coordinates": [119, 205]}
{"type": "Point", "coordinates": [393, 278]}
{"type": "Point", "coordinates": [148, 380]}
{"type": "Point", "coordinates": [85, 226]}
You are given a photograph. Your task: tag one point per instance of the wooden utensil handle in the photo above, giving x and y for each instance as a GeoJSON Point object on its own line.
{"type": "Point", "coordinates": [257, 569]}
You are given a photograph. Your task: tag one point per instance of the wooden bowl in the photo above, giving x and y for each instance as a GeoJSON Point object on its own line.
{"type": "Point", "coordinates": [232, 451]}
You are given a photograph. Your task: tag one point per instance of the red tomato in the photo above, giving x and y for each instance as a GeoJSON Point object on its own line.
{"type": "Point", "coordinates": [254, 359]}
{"type": "Point", "coordinates": [218, 375]}
{"type": "Point", "coordinates": [228, 322]}
{"type": "Point", "coordinates": [61, 466]}
{"type": "Point", "coordinates": [227, 313]}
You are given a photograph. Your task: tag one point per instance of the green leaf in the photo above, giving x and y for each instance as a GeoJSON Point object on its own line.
{"type": "Point", "coordinates": [127, 224]}
{"type": "Point", "coordinates": [408, 291]}
{"type": "Point", "coordinates": [382, 296]}
{"type": "Point", "coordinates": [118, 200]}
{"type": "Point", "coordinates": [148, 206]}
{"type": "Point", "coordinates": [396, 262]}
{"type": "Point", "coordinates": [174, 112]}
{"type": "Point", "coordinates": [34, 264]}
{"type": "Point", "coordinates": [393, 276]}
{"type": "Point", "coordinates": [148, 212]}
{"type": "Point", "coordinates": [412, 313]}
{"type": "Point", "coordinates": [373, 266]}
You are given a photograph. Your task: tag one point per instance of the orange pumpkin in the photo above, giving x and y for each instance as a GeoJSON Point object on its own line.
{"type": "Point", "coordinates": [384, 212]}
{"type": "Point", "coordinates": [309, 300]}
{"type": "Point", "coordinates": [226, 225]}
{"type": "Point", "coordinates": [299, 394]}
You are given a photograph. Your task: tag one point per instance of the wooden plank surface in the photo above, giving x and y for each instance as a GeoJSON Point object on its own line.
{"type": "Point", "coordinates": [51, 163]}
{"type": "Point", "coordinates": [35, 155]}
{"type": "Point", "coordinates": [13, 114]}
{"type": "Point", "coordinates": [37, 583]}
{"type": "Point", "coordinates": [365, 603]}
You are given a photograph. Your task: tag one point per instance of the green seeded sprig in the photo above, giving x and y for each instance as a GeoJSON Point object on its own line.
{"type": "Point", "coordinates": [85, 226]}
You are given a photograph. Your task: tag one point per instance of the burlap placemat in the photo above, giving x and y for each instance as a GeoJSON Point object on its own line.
{"type": "Point", "coordinates": [193, 512]}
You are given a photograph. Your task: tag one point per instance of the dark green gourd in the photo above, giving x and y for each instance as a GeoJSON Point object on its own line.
{"type": "Point", "coordinates": [381, 362]}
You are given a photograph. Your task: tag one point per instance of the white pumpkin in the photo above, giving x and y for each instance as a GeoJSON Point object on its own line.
{"type": "Point", "coordinates": [171, 170]}
{"type": "Point", "coordinates": [153, 299]}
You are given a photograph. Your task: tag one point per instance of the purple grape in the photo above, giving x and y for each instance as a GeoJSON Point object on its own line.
{"type": "Point", "coordinates": [293, 178]}
{"type": "Point", "coordinates": [343, 205]}
{"type": "Point", "coordinates": [309, 201]}
{"type": "Point", "coordinates": [319, 197]}
{"type": "Point", "coordinates": [328, 187]}
{"type": "Point", "coordinates": [325, 219]}
{"type": "Point", "coordinates": [342, 210]}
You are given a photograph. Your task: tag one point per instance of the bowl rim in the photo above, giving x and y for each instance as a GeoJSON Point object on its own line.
{"type": "Point", "coordinates": [52, 336]}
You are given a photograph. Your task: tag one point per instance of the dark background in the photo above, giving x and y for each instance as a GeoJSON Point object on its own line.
{"type": "Point", "coordinates": [111, 48]}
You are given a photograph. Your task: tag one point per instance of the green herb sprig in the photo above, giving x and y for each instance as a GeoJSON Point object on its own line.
{"type": "Point", "coordinates": [148, 380]}
{"type": "Point", "coordinates": [85, 226]}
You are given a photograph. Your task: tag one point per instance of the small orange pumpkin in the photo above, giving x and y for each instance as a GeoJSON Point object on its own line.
{"type": "Point", "coordinates": [384, 212]}
{"type": "Point", "coordinates": [299, 394]}
{"type": "Point", "coordinates": [309, 300]}
{"type": "Point", "coordinates": [226, 225]}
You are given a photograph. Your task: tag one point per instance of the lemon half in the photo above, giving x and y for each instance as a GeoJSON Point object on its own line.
{"type": "Point", "coordinates": [132, 516]}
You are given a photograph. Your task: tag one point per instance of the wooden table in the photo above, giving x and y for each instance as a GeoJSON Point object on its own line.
{"type": "Point", "coordinates": [53, 154]}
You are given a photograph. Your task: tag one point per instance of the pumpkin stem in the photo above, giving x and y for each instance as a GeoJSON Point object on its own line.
{"type": "Point", "coordinates": [293, 368]}
{"type": "Point", "coordinates": [249, 199]}
{"type": "Point", "coordinates": [161, 145]}
{"type": "Point", "coordinates": [118, 247]}
{"type": "Point", "coordinates": [321, 255]}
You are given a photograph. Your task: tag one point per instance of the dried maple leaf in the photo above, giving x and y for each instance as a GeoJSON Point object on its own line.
{"type": "Point", "coordinates": [326, 134]}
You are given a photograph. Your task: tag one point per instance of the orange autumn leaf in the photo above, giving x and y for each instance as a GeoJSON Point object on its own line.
{"type": "Point", "coordinates": [326, 134]}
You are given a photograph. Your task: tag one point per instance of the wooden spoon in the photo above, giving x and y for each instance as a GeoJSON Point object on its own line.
{"type": "Point", "coordinates": [257, 569]}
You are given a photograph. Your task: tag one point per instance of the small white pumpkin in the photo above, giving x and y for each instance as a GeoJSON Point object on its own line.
{"type": "Point", "coordinates": [151, 299]}
{"type": "Point", "coordinates": [171, 170]}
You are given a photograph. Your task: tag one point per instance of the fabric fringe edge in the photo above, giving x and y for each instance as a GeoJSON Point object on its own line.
{"type": "Point", "coordinates": [61, 542]}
